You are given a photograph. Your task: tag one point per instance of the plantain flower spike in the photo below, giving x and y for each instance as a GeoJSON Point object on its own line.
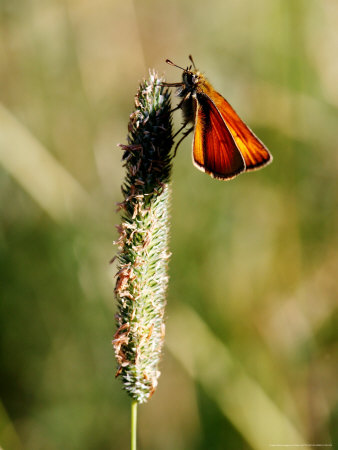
{"type": "Point", "coordinates": [142, 276]}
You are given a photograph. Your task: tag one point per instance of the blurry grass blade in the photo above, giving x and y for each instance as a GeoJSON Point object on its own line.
{"type": "Point", "coordinates": [8, 435]}
{"type": "Point", "coordinates": [37, 171]}
{"type": "Point", "coordinates": [240, 398]}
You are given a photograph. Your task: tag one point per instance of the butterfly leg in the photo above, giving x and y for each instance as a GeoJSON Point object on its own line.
{"type": "Point", "coordinates": [183, 137]}
{"type": "Point", "coordinates": [179, 106]}
{"type": "Point", "coordinates": [171, 84]}
{"type": "Point", "coordinates": [182, 128]}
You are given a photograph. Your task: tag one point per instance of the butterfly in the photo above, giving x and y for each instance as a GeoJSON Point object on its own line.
{"type": "Point", "coordinates": [223, 145]}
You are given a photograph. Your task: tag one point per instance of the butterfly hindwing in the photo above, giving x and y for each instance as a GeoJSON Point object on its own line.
{"type": "Point", "coordinates": [214, 148]}
{"type": "Point", "coordinates": [254, 152]}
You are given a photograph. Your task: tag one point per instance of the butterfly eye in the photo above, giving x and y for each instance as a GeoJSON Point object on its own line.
{"type": "Point", "coordinates": [189, 78]}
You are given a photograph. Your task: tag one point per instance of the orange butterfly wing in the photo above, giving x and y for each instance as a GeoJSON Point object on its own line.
{"type": "Point", "coordinates": [214, 149]}
{"type": "Point", "coordinates": [254, 152]}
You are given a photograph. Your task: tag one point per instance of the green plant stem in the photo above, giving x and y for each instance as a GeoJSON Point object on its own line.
{"type": "Point", "coordinates": [133, 425]}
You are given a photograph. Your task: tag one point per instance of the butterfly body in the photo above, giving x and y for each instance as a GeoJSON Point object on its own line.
{"type": "Point", "coordinates": [193, 81]}
{"type": "Point", "coordinates": [223, 145]}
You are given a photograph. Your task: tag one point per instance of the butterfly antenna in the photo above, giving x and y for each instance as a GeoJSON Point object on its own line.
{"type": "Point", "coordinates": [190, 57]}
{"type": "Point", "coordinates": [172, 64]}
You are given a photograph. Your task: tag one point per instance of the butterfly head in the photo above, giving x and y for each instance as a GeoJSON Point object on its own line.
{"type": "Point", "coordinates": [191, 77]}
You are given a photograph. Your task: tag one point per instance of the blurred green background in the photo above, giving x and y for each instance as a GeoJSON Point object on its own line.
{"type": "Point", "coordinates": [251, 345]}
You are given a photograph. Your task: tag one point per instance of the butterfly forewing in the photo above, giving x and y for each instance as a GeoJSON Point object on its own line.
{"type": "Point", "coordinates": [214, 148]}
{"type": "Point", "coordinates": [254, 152]}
